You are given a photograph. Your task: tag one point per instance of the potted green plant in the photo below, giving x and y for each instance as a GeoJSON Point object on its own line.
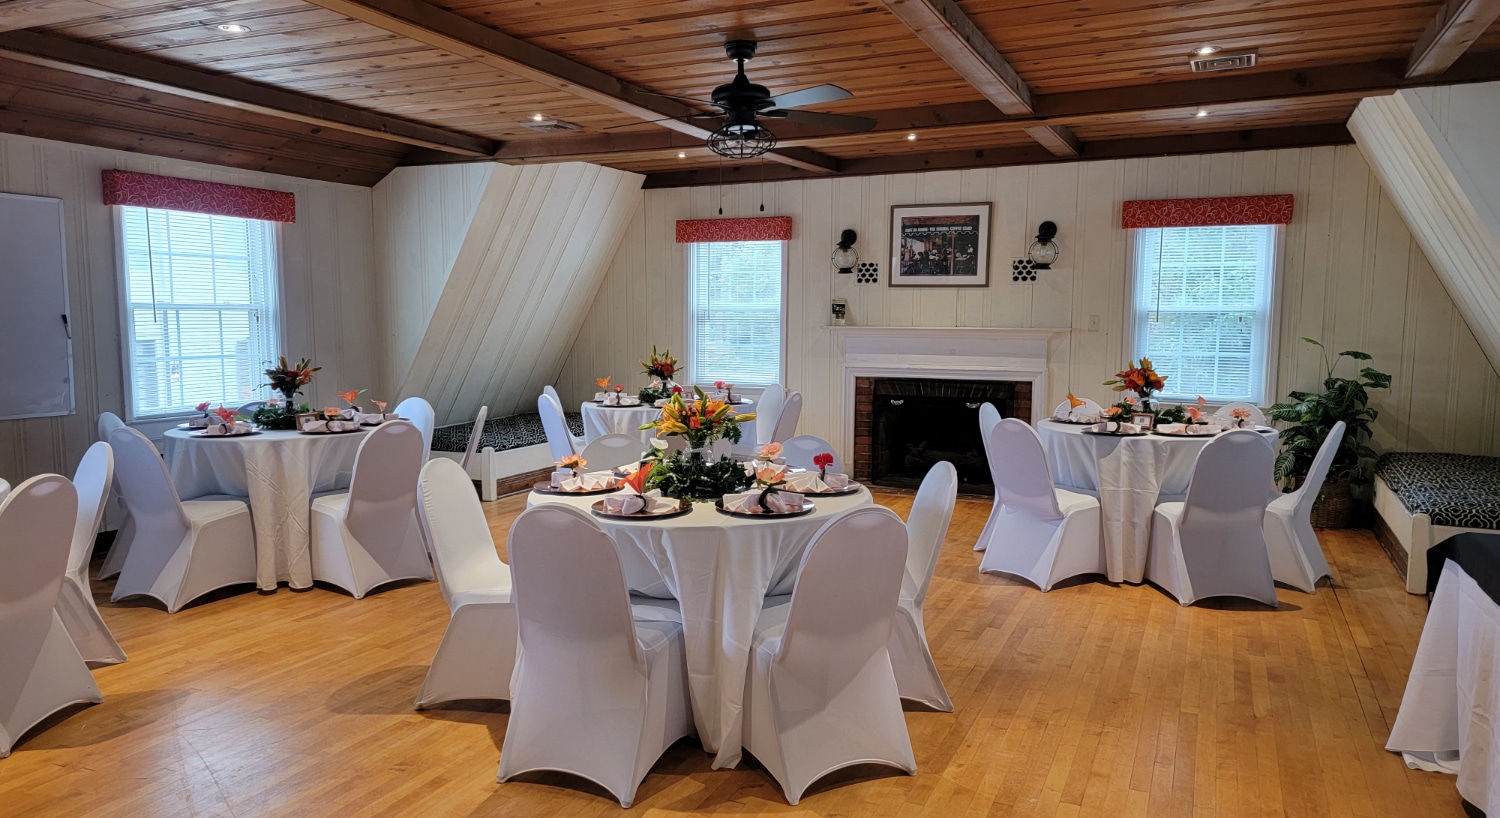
{"type": "Point", "coordinates": [1313, 415]}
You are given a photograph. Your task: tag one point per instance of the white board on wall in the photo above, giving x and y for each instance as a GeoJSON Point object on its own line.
{"type": "Point", "coordinates": [36, 351]}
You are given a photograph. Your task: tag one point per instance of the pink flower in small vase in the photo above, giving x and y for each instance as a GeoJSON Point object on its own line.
{"type": "Point", "coordinates": [202, 407]}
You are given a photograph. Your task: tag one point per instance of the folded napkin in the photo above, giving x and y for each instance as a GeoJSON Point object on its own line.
{"type": "Point", "coordinates": [1204, 429]}
{"type": "Point", "coordinates": [629, 400]}
{"type": "Point", "coordinates": [811, 483]}
{"type": "Point", "coordinates": [748, 502]}
{"type": "Point", "coordinates": [776, 470]}
{"type": "Point", "coordinates": [330, 426]}
{"type": "Point", "coordinates": [1171, 428]}
{"type": "Point", "coordinates": [593, 481]}
{"type": "Point", "coordinates": [1114, 427]}
{"type": "Point", "coordinates": [629, 468]}
{"type": "Point", "coordinates": [600, 396]}
{"type": "Point", "coordinates": [649, 503]}
{"type": "Point", "coordinates": [367, 417]}
{"type": "Point", "coordinates": [219, 429]}
{"type": "Point", "coordinates": [660, 403]}
{"type": "Point", "coordinates": [198, 423]}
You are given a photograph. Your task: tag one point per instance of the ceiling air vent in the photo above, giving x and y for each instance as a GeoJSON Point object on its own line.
{"type": "Point", "coordinates": [550, 126]}
{"type": "Point", "coordinates": [1223, 62]}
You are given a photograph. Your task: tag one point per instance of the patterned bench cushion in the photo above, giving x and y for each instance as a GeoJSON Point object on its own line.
{"type": "Point", "coordinates": [500, 433]}
{"type": "Point", "coordinates": [1459, 490]}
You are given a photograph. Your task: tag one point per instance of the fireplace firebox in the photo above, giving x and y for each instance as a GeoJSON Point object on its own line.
{"type": "Point", "coordinates": [902, 426]}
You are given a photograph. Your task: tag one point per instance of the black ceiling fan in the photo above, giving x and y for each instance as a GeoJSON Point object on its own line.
{"type": "Point", "coordinates": [742, 102]}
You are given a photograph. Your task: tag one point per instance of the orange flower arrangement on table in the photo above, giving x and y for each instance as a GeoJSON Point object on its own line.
{"type": "Point", "coordinates": [1142, 379]}
{"type": "Point", "coordinates": [700, 421]}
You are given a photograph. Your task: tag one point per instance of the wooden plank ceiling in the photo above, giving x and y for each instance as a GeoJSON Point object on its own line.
{"type": "Point", "coordinates": [345, 90]}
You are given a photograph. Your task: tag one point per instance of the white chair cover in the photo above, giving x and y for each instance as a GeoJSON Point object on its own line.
{"type": "Point", "coordinates": [115, 557]}
{"type": "Point", "coordinates": [555, 424]}
{"type": "Point", "coordinates": [420, 413]}
{"type": "Point", "coordinates": [917, 675]}
{"type": "Point", "coordinates": [988, 417]}
{"type": "Point", "coordinates": [1296, 557]}
{"type": "Point", "coordinates": [800, 450]}
{"type": "Point", "coordinates": [1036, 531]}
{"type": "Point", "coordinates": [478, 652]}
{"type": "Point", "coordinates": [474, 435]}
{"type": "Point", "coordinates": [1212, 544]}
{"type": "Point", "coordinates": [40, 670]}
{"type": "Point", "coordinates": [181, 549]}
{"type": "Point", "coordinates": [249, 408]}
{"type": "Point", "coordinates": [597, 692]}
{"type": "Point", "coordinates": [612, 451]}
{"type": "Point", "coordinates": [767, 410]}
{"type": "Point", "coordinates": [786, 419]}
{"type": "Point", "coordinates": [4, 488]}
{"type": "Point", "coordinates": [368, 536]}
{"type": "Point", "coordinates": [821, 694]}
{"type": "Point", "coordinates": [578, 441]}
{"type": "Point", "coordinates": [1090, 406]}
{"type": "Point", "coordinates": [1222, 416]}
{"type": "Point", "coordinates": [75, 603]}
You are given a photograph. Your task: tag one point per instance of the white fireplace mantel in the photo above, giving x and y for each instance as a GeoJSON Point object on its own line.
{"type": "Point", "coordinates": [951, 353]}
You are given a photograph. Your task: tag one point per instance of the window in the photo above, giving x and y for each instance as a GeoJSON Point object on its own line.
{"type": "Point", "coordinates": [1203, 307]}
{"type": "Point", "coordinates": [200, 309]}
{"type": "Point", "coordinates": [734, 312]}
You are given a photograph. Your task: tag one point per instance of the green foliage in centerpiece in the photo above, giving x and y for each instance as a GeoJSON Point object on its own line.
{"type": "Point", "coordinates": [278, 416]}
{"type": "Point", "coordinates": [288, 380]}
{"type": "Point", "coordinates": [1315, 413]}
{"type": "Point", "coordinates": [689, 476]}
{"type": "Point", "coordinates": [656, 391]}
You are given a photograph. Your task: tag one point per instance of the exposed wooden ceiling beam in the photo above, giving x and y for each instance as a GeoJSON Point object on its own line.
{"type": "Point", "coordinates": [458, 35]}
{"type": "Point", "coordinates": [943, 26]}
{"type": "Point", "coordinates": [1268, 138]}
{"type": "Point", "coordinates": [1457, 25]}
{"type": "Point", "coordinates": [141, 72]}
{"type": "Point", "coordinates": [1056, 138]}
{"type": "Point", "coordinates": [1363, 79]}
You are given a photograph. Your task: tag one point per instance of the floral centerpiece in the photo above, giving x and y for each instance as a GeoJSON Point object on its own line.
{"type": "Point", "coordinates": [690, 474]}
{"type": "Point", "coordinates": [661, 365]}
{"type": "Point", "coordinates": [655, 391]}
{"type": "Point", "coordinates": [288, 380]}
{"type": "Point", "coordinates": [1141, 379]}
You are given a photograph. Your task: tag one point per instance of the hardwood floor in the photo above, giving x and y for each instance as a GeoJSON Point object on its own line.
{"type": "Point", "coordinates": [1091, 700]}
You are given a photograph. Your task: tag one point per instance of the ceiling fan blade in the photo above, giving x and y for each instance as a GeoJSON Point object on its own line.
{"type": "Point", "coordinates": [816, 95]}
{"type": "Point", "coordinates": [663, 119]}
{"type": "Point", "coordinates": [857, 124]}
{"type": "Point", "coordinates": [684, 99]}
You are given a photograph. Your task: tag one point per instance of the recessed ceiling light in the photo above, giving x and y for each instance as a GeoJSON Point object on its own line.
{"type": "Point", "coordinates": [233, 28]}
{"type": "Point", "coordinates": [1201, 112]}
{"type": "Point", "coordinates": [682, 154]}
{"type": "Point", "coordinates": [537, 117]}
{"type": "Point", "coordinates": [911, 137]}
{"type": "Point", "coordinates": [1205, 50]}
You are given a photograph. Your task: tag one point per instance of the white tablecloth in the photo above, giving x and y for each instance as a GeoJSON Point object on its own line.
{"type": "Point", "coordinates": [278, 471]}
{"type": "Point", "coordinates": [719, 569]}
{"type": "Point", "coordinates": [1448, 717]}
{"type": "Point", "coordinates": [599, 421]}
{"type": "Point", "coordinates": [1129, 475]}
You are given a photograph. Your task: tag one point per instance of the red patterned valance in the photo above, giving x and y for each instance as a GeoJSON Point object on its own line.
{"type": "Point", "coordinates": [1215, 212]}
{"type": "Point", "coordinates": [122, 187]}
{"type": "Point", "coordinates": [769, 228]}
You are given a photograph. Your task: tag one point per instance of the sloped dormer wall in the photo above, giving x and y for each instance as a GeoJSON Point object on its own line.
{"type": "Point", "coordinates": [523, 273]}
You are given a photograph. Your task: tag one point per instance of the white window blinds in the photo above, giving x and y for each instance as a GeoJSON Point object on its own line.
{"type": "Point", "coordinates": [200, 308]}
{"type": "Point", "coordinates": [734, 306]}
{"type": "Point", "coordinates": [1202, 309]}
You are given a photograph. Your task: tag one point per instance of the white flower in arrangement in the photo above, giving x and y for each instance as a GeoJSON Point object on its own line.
{"type": "Point", "coordinates": [658, 444]}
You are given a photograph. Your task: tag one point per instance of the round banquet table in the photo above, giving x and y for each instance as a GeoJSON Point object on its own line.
{"type": "Point", "coordinates": [719, 569]}
{"type": "Point", "coordinates": [278, 471]}
{"type": "Point", "coordinates": [1129, 475]}
{"type": "Point", "coordinates": [600, 420]}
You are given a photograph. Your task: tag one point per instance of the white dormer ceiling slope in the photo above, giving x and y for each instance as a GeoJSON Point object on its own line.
{"type": "Point", "coordinates": [523, 278]}
{"type": "Point", "coordinates": [1436, 154]}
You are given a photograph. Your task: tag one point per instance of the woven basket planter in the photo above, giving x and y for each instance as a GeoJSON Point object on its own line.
{"type": "Point", "coordinates": [1335, 507]}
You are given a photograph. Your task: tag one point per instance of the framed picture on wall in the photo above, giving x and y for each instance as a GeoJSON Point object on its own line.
{"type": "Point", "coordinates": [940, 245]}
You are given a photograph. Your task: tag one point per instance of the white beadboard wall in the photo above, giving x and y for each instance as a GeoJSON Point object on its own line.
{"type": "Point", "coordinates": [494, 326]}
{"type": "Point", "coordinates": [327, 286]}
{"type": "Point", "coordinates": [1352, 277]}
{"type": "Point", "coordinates": [423, 215]}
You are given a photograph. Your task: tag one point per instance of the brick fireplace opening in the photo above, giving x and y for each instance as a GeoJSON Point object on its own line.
{"type": "Point", "coordinates": [902, 426]}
